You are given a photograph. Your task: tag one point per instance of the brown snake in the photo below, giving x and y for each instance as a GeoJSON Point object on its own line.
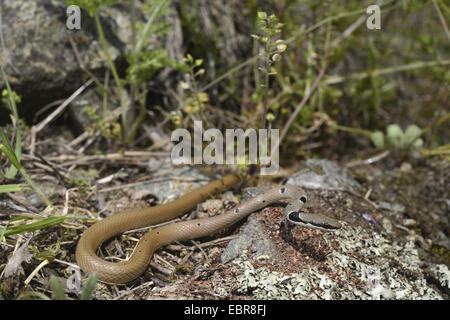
{"type": "Point", "coordinates": [125, 271]}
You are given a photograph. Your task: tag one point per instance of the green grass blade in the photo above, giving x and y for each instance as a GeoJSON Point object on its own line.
{"type": "Point", "coordinates": [147, 28]}
{"type": "Point", "coordinates": [18, 151]}
{"type": "Point", "coordinates": [89, 287]}
{"type": "Point", "coordinates": [8, 150]}
{"type": "Point", "coordinates": [57, 288]}
{"type": "Point", "coordinates": [31, 295]}
{"type": "Point", "coordinates": [35, 187]}
{"type": "Point", "coordinates": [13, 187]}
{"type": "Point", "coordinates": [10, 94]}
{"type": "Point", "coordinates": [2, 233]}
{"type": "Point", "coordinates": [42, 223]}
{"type": "Point", "coordinates": [11, 154]}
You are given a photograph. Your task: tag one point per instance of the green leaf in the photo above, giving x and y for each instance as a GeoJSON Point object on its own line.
{"type": "Point", "coordinates": [198, 62]}
{"type": "Point", "coordinates": [394, 135]}
{"type": "Point", "coordinates": [32, 295]}
{"type": "Point", "coordinates": [412, 134]}
{"type": "Point", "coordinates": [89, 287]}
{"type": "Point", "coordinates": [10, 94]}
{"type": "Point", "coordinates": [144, 65]}
{"type": "Point", "coordinates": [57, 288]}
{"type": "Point", "coordinates": [418, 143]}
{"type": "Point", "coordinates": [377, 138]}
{"type": "Point", "coordinates": [91, 6]}
{"type": "Point", "coordinates": [262, 15]}
{"type": "Point", "coordinates": [13, 187]}
{"type": "Point", "coordinates": [147, 28]}
{"type": "Point", "coordinates": [42, 223]}
{"type": "Point", "coordinates": [8, 150]}
{"type": "Point", "coordinates": [12, 171]}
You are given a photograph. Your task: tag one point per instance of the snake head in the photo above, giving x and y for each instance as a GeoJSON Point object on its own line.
{"type": "Point", "coordinates": [294, 206]}
{"type": "Point", "coordinates": [314, 221]}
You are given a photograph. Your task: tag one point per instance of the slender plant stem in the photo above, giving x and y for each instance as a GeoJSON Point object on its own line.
{"type": "Point", "coordinates": [384, 71]}
{"type": "Point", "coordinates": [133, 22]}
{"type": "Point", "coordinates": [142, 114]}
{"type": "Point", "coordinates": [106, 50]}
{"type": "Point", "coordinates": [266, 83]}
{"type": "Point", "coordinates": [442, 19]}
{"type": "Point", "coordinates": [147, 28]}
{"type": "Point", "coordinates": [350, 129]}
{"type": "Point", "coordinates": [35, 188]}
{"type": "Point", "coordinates": [123, 102]}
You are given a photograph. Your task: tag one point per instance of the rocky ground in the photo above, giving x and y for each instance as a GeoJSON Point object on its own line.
{"type": "Point", "coordinates": [393, 243]}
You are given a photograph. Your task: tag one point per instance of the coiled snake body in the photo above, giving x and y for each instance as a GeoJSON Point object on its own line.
{"type": "Point", "coordinates": [125, 271]}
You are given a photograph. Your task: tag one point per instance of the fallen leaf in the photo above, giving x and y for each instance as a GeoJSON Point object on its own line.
{"type": "Point", "coordinates": [14, 265]}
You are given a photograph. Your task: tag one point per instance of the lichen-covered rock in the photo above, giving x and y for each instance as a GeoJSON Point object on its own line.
{"type": "Point", "coordinates": [441, 274]}
{"type": "Point", "coordinates": [365, 266]}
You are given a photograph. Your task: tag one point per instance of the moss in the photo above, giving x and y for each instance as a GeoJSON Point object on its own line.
{"type": "Point", "coordinates": [442, 252]}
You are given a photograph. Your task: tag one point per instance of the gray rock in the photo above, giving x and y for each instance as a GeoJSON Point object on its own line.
{"type": "Point", "coordinates": [91, 98]}
{"type": "Point", "coordinates": [251, 192]}
{"type": "Point", "coordinates": [323, 174]}
{"type": "Point", "coordinates": [395, 207]}
{"type": "Point", "coordinates": [163, 187]}
{"type": "Point", "coordinates": [252, 238]}
{"type": "Point", "coordinates": [442, 239]}
{"type": "Point", "coordinates": [39, 59]}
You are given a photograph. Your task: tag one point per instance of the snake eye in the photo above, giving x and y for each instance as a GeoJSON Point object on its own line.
{"type": "Point", "coordinates": [291, 216]}
{"type": "Point", "coordinates": [303, 199]}
{"type": "Point", "coordinates": [294, 217]}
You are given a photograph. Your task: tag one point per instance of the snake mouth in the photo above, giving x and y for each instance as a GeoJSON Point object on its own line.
{"type": "Point", "coordinates": [294, 217]}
